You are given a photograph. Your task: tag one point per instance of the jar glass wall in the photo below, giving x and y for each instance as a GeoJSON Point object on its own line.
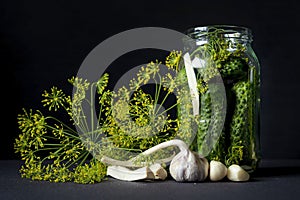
{"type": "Point", "coordinates": [226, 51]}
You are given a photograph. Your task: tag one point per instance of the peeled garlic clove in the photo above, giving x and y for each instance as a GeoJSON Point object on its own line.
{"type": "Point", "coordinates": [125, 174]}
{"type": "Point", "coordinates": [237, 173]}
{"type": "Point", "coordinates": [217, 170]}
{"type": "Point", "coordinates": [158, 171]}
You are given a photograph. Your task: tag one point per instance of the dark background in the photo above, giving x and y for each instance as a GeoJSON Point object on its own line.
{"type": "Point", "coordinates": [43, 43]}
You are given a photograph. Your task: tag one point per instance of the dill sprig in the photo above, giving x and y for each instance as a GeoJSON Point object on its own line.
{"type": "Point", "coordinates": [129, 119]}
{"type": "Point", "coordinates": [51, 149]}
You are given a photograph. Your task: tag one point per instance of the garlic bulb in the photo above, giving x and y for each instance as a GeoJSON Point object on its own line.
{"type": "Point", "coordinates": [188, 166]}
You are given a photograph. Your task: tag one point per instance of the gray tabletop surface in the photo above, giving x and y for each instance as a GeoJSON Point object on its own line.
{"type": "Point", "coordinates": [274, 179]}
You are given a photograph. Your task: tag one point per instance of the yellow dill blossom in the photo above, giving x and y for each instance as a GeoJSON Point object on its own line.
{"type": "Point", "coordinates": [173, 59]}
{"type": "Point", "coordinates": [54, 99]}
{"type": "Point", "coordinates": [169, 82]}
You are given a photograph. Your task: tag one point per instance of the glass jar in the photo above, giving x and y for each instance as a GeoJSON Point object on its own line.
{"type": "Point", "coordinates": [226, 51]}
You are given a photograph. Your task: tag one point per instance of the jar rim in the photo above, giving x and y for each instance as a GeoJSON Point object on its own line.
{"type": "Point", "coordinates": [228, 31]}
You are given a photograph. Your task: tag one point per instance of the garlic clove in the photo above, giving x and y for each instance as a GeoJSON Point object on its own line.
{"type": "Point", "coordinates": [158, 171]}
{"type": "Point", "coordinates": [237, 173]}
{"type": "Point", "coordinates": [217, 170]}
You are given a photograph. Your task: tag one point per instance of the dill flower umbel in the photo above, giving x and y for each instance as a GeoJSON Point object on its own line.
{"type": "Point", "coordinates": [54, 99]}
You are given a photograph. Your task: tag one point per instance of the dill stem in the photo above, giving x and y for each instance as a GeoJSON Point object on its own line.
{"type": "Point", "coordinates": [65, 132]}
{"type": "Point", "coordinates": [44, 149]}
{"type": "Point", "coordinates": [85, 126]}
{"type": "Point", "coordinates": [57, 120]}
{"type": "Point", "coordinates": [92, 109]}
{"type": "Point", "coordinates": [157, 90]}
{"type": "Point", "coordinates": [84, 159]}
{"type": "Point", "coordinates": [166, 110]}
{"type": "Point", "coordinates": [163, 101]}
{"type": "Point", "coordinates": [70, 163]}
{"type": "Point", "coordinates": [50, 144]}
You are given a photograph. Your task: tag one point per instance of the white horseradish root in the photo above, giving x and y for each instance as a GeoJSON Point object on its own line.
{"type": "Point", "coordinates": [125, 174]}
{"type": "Point", "coordinates": [155, 171]}
{"type": "Point", "coordinates": [158, 171]}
